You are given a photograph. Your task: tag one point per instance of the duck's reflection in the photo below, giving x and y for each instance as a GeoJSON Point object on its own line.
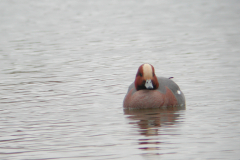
{"type": "Point", "coordinates": [149, 122]}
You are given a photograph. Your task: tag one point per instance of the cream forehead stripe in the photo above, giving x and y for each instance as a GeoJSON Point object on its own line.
{"type": "Point", "coordinates": [147, 71]}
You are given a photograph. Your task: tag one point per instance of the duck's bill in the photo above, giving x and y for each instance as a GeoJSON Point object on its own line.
{"type": "Point", "coordinates": [148, 84]}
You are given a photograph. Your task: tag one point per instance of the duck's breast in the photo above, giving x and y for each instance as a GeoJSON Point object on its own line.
{"type": "Point", "coordinates": [168, 94]}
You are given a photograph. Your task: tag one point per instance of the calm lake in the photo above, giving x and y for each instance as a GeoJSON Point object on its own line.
{"type": "Point", "coordinates": [65, 67]}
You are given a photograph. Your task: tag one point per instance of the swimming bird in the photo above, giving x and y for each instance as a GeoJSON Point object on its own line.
{"type": "Point", "coordinates": [150, 91]}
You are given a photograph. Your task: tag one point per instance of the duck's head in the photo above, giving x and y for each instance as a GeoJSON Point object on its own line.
{"type": "Point", "coordinates": [146, 78]}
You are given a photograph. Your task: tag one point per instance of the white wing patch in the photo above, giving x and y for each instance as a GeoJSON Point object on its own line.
{"type": "Point", "coordinates": [179, 92]}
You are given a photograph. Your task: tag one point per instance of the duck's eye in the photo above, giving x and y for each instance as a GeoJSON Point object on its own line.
{"type": "Point", "coordinates": [140, 74]}
{"type": "Point", "coordinates": [153, 74]}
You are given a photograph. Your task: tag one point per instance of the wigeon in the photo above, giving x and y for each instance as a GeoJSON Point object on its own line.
{"type": "Point", "coordinates": [150, 91]}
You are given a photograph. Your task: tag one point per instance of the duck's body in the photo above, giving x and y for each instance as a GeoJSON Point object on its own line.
{"type": "Point", "coordinates": [149, 91]}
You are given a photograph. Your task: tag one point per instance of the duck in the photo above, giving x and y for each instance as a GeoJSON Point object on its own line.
{"type": "Point", "coordinates": [150, 91]}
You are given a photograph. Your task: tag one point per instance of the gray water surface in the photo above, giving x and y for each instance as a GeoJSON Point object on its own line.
{"type": "Point", "coordinates": [65, 67]}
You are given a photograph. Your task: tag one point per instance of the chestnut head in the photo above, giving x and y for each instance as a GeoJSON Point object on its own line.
{"type": "Point", "coordinates": [146, 78]}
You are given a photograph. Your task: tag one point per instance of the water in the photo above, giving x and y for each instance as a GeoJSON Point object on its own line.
{"type": "Point", "coordinates": [66, 67]}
